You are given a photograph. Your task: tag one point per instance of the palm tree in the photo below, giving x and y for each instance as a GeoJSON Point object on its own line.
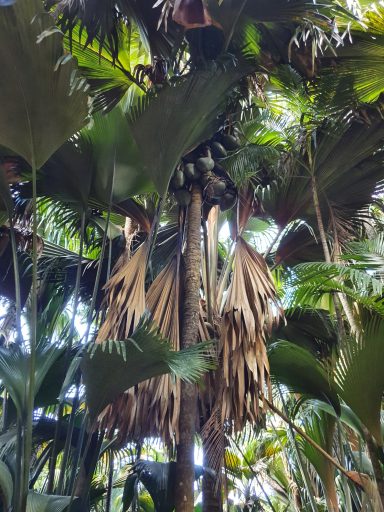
{"type": "Point", "coordinates": [304, 174]}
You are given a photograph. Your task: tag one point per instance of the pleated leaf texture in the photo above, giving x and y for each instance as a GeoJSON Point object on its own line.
{"type": "Point", "coordinates": [43, 99]}
{"type": "Point", "coordinates": [152, 408]}
{"type": "Point", "coordinates": [250, 311]}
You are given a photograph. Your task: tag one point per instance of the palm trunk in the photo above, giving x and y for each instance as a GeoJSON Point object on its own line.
{"type": "Point", "coordinates": [188, 394]}
{"type": "Point", "coordinates": [211, 494]}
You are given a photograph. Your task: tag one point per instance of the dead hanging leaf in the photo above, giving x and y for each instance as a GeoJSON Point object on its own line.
{"type": "Point", "coordinates": [125, 297]}
{"type": "Point", "coordinates": [152, 408]}
{"type": "Point", "coordinates": [125, 300]}
{"type": "Point", "coordinates": [250, 311]}
{"type": "Point", "coordinates": [191, 14]}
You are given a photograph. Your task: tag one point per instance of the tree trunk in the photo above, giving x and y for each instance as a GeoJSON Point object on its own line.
{"type": "Point", "coordinates": [211, 494]}
{"type": "Point", "coordinates": [184, 498]}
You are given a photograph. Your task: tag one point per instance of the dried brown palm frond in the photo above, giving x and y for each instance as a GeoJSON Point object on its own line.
{"type": "Point", "coordinates": [152, 407]}
{"type": "Point", "coordinates": [250, 311]}
{"type": "Point", "coordinates": [125, 296]}
{"type": "Point", "coordinates": [125, 300]}
{"type": "Point", "coordinates": [158, 399]}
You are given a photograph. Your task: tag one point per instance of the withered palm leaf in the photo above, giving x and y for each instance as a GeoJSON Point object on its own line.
{"type": "Point", "coordinates": [157, 401]}
{"type": "Point", "coordinates": [250, 310]}
{"type": "Point", "coordinates": [152, 407]}
{"type": "Point", "coordinates": [125, 297]}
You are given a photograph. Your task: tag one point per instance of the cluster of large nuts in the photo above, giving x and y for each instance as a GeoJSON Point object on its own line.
{"type": "Point", "coordinates": [203, 166]}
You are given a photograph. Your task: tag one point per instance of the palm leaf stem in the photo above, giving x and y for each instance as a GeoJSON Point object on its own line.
{"type": "Point", "coordinates": [101, 259]}
{"type": "Point", "coordinates": [39, 466]}
{"type": "Point", "coordinates": [68, 441]}
{"type": "Point", "coordinates": [376, 465]}
{"type": "Point", "coordinates": [110, 483]}
{"type": "Point", "coordinates": [19, 455]}
{"type": "Point", "coordinates": [77, 284]}
{"type": "Point", "coordinates": [308, 439]}
{"type": "Point", "coordinates": [255, 475]}
{"type": "Point", "coordinates": [83, 491]}
{"type": "Point", "coordinates": [273, 242]}
{"type": "Point", "coordinates": [319, 219]}
{"type": "Point", "coordinates": [347, 492]}
{"type": "Point", "coordinates": [207, 272]}
{"type": "Point", "coordinates": [75, 403]}
{"type": "Point", "coordinates": [30, 381]}
{"type": "Point", "coordinates": [224, 276]}
{"type": "Point", "coordinates": [75, 462]}
{"type": "Point", "coordinates": [292, 473]}
{"type": "Point", "coordinates": [17, 278]}
{"type": "Point", "coordinates": [301, 464]}
{"type": "Point", "coordinates": [54, 453]}
{"type": "Point", "coordinates": [327, 256]}
{"type": "Point", "coordinates": [235, 22]}
{"type": "Point", "coordinates": [155, 228]}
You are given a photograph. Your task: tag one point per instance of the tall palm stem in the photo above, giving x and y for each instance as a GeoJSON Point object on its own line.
{"type": "Point", "coordinates": [27, 418]}
{"type": "Point", "coordinates": [184, 498]}
{"type": "Point", "coordinates": [305, 436]}
{"type": "Point", "coordinates": [300, 462]}
{"type": "Point", "coordinates": [327, 255]}
{"type": "Point", "coordinates": [54, 454]}
{"type": "Point", "coordinates": [17, 278]}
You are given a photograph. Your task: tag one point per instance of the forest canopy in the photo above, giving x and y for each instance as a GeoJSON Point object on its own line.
{"type": "Point", "coordinates": [191, 256]}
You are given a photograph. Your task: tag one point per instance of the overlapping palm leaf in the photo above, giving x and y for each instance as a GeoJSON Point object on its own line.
{"type": "Point", "coordinates": [42, 104]}
{"type": "Point", "coordinates": [142, 356]}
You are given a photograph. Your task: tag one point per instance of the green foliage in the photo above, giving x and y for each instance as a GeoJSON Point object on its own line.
{"type": "Point", "coordinates": [179, 117]}
{"type": "Point", "coordinates": [296, 368]}
{"type": "Point", "coordinates": [43, 503]}
{"type": "Point", "coordinates": [359, 374]}
{"type": "Point", "coordinates": [42, 104]}
{"type": "Point", "coordinates": [6, 486]}
{"type": "Point", "coordinates": [14, 365]}
{"type": "Point", "coordinates": [143, 356]}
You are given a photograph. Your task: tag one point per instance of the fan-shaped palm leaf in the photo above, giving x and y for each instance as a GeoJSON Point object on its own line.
{"type": "Point", "coordinates": [14, 364]}
{"type": "Point", "coordinates": [296, 368]}
{"type": "Point", "coordinates": [39, 112]}
{"type": "Point", "coordinates": [359, 374]}
{"type": "Point", "coordinates": [144, 355]}
{"type": "Point", "coordinates": [180, 117]}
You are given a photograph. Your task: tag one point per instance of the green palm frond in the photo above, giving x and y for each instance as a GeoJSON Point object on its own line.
{"type": "Point", "coordinates": [320, 427]}
{"type": "Point", "coordinates": [42, 105]}
{"type": "Point", "coordinates": [346, 161]}
{"type": "Point", "coordinates": [109, 76]}
{"type": "Point", "coordinates": [6, 486]}
{"type": "Point", "coordinates": [46, 503]}
{"type": "Point", "coordinates": [358, 66]}
{"type": "Point", "coordinates": [14, 365]}
{"type": "Point", "coordinates": [312, 281]}
{"type": "Point", "coordinates": [103, 155]}
{"type": "Point", "coordinates": [296, 368]}
{"type": "Point", "coordinates": [103, 21]}
{"type": "Point", "coordinates": [359, 374]}
{"type": "Point", "coordinates": [141, 357]}
{"type": "Point", "coordinates": [368, 252]}
{"type": "Point", "coordinates": [180, 117]}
